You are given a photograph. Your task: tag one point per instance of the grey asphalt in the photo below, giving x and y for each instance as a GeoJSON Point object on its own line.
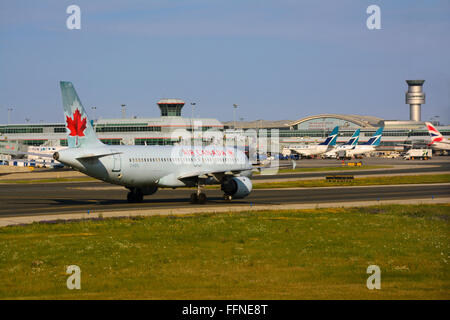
{"type": "Point", "coordinates": [55, 198]}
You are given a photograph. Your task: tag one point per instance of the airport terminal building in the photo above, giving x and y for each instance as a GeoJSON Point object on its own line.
{"type": "Point", "coordinates": [314, 129]}
{"type": "Point", "coordinates": [171, 128]}
{"type": "Point", "coordinates": [165, 130]}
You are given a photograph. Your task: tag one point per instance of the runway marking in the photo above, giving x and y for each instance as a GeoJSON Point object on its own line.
{"type": "Point", "coordinates": [97, 188]}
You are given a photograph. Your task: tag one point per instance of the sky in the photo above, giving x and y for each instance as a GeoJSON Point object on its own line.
{"type": "Point", "coordinates": [275, 59]}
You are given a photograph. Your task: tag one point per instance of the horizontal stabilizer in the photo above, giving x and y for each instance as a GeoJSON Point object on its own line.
{"type": "Point", "coordinates": [96, 156]}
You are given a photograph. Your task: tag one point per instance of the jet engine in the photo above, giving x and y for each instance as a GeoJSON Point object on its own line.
{"type": "Point", "coordinates": [237, 187]}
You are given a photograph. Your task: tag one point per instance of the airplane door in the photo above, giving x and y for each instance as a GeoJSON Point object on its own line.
{"type": "Point", "coordinates": [117, 162]}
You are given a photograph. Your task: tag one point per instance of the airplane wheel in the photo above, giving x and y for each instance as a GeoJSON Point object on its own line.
{"type": "Point", "coordinates": [194, 198]}
{"type": "Point", "coordinates": [131, 197]}
{"type": "Point", "coordinates": [201, 198]}
{"type": "Point", "coordinates": [135, 197]}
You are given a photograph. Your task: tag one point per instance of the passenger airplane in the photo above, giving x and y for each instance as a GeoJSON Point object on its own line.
{"type": "Point", "coordinates": [350, 144]}
{"type": "Point", "coordinates": [438, 141]}
{"type": "Point", "coordinates": [143, 169]}
{"type": "Point", "coordinates": [316, 149]}
{"type": "Point", "coordinates": [368, 146]}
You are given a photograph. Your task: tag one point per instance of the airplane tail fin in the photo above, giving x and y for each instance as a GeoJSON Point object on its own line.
{"type": "Point", "coordinates": [435, 135]}
{"type": "Point", "coordinates": [78, 127]}
{"type": "Point", "coordinates": [353, 141]}
{"type": "Point", "coordinates": [331, 139]}
{"type": "Point", "coordinates": [376, 138]}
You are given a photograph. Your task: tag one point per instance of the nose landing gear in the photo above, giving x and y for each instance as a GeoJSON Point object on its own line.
{"type": "Point", "coordinates": [199, 196]}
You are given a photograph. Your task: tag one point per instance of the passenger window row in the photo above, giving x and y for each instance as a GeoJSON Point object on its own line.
{"type": "Point", "coordinates": [177, 160]}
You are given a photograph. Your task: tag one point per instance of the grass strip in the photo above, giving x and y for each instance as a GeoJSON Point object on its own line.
{"type": "Point", "coordinates": [324, 169]}
{"type": "Point", "coordinates": [385, 180]}
{"type": "Point", "coordinates": [291, 254]}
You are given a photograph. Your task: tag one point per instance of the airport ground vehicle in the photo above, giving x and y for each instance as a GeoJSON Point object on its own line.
{"type": "Point", "coordinates": [423, 154]}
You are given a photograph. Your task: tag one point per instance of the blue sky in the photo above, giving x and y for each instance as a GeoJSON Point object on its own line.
{"type": "Point", "coordinates": [277, 59]}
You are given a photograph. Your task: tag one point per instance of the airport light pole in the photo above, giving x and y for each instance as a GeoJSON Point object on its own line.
{"type": "Point", "coordinates": [435, 120]}
{"type": "Point", "coordinates": [94, 109]}
{"type": "Point", "coordinates": [192, 122]}
{"type": "Point", "coordinates": [123, 110]}
{"type": "Point", "coordinates": [234, 115]}
{"type": "Point", "coordinates": [9, 114]}
{"type": "Point", "coordinates": [94, 120]}
{"type": "Point", "coordinates": [192, 115]}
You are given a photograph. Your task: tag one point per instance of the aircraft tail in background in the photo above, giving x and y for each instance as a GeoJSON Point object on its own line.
{"type": "Point", "coordinates": [331, 139]}
{"type": "Point", "coordinates": [435, 135]}
{"type": "Point", "coordinates": [375, 139]}
{"type": "Point", "coordinates": [353, 141]}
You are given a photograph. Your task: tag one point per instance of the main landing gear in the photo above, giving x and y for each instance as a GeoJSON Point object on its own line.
{"type": "Point", "coordinates": [135, 195]}
{"type": "Point", "coordinates": [199, 196]}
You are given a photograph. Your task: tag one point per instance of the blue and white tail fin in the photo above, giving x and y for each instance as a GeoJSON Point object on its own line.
{"type": "Point", "coordinates": [353, 141]}
{"type": "Point", "coordinates": [376, 138]}
{"type": "Point", "coordinates": [331, 139]}
{"type": "Point", "coordinates": [78, 127]}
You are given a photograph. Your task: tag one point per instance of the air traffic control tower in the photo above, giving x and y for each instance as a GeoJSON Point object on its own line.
{"type": "Point", "coordinates": [415, 98]}
{"type": "Point", "coordinates": [170, 107]}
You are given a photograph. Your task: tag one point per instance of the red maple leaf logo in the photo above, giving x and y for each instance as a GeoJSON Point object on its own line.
{"type": "Point", "coordinates": [76, 125]}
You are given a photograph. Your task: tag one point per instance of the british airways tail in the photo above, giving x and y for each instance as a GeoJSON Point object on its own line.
{"type": "Point", "coordinates": [435, 135]}
{"type": "Point", "coordinates": [353, 141]}
{"type": "Point", "coordinates": [375, 139]}
{"type": "Point", "coordinates": [331, 139]}
{"type": "Point", "coordinates": [78, 127]}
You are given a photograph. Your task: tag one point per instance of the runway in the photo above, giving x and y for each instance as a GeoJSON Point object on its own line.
{"type": "Point", "coordinates": [57, 198]}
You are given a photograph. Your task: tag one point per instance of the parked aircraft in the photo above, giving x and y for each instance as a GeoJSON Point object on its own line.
{"type": "Point", "coordinates": [368, 146]}
{"type": "Point", "coordinates": [316, 149]}
{"type": "Point", "coordinates": [342, 149]}
{"type": "Point", "coordinates": [438, 141]}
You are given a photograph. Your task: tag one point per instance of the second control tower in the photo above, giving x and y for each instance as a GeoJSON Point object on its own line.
{"type": "Point", "coordinates": [415, 98]}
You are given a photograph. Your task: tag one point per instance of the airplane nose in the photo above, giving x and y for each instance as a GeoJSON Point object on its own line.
{"type": "Point", "coordinates": [56, 156]}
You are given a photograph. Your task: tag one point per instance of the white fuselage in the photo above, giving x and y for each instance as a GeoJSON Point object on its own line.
{"type": "Point", "coordinates": [360, 149]}
{"type": "Point", "coordinates": [135, 166]}
{"type": "Point", "coordinates": [334, 152]}
{"type": "Point", "coordinates": [443, 145]}
{"type": "Point", "coordinates": [309, 150]}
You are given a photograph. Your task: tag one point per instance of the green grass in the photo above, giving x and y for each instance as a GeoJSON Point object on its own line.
{"type": "Point", "coordinates": [386, 180]}
{"type": "Point", "coordinates": [340, 168]}
{"type": "Point", "coordinates": [303, 254]}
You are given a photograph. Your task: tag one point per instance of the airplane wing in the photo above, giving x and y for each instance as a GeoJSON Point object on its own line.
{"type": "Point", "coordinates": [205, 174]}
